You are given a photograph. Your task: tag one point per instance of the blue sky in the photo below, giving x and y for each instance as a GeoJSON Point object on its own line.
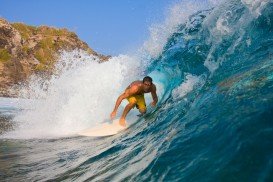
{"type": "Point", "coordinates": [108, 26]}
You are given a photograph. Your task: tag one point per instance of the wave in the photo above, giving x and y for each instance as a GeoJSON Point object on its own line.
{"type": "Point", "coordinates": [214, 71]}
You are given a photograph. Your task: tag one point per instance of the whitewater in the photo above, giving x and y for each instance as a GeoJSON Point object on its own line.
{"type": "Point", "coordinates": [212, 63]}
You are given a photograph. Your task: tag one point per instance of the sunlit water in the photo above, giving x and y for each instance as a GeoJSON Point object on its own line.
{"type": "Point", "coordinates": [214, 121]}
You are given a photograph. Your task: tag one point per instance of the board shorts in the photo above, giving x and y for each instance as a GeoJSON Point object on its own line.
{"type": "Point", "coordinates": [140, 101]}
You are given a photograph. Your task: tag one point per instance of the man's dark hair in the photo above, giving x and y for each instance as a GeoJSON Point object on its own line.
{"type": "Point", "coordinates": [147, 79]}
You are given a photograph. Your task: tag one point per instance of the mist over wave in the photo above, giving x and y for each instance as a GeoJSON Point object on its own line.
{"type": "Point", "coordinates": [80, 95]}
{"type": "Point", "coordinates": [214, 71]}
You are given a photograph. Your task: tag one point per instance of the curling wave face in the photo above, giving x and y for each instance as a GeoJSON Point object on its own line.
{"type": "Point", "coordinates": [213, 121]}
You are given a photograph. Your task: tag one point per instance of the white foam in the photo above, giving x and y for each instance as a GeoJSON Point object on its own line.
{"type": "Point", "coordinates": [191, 81]}
{"type": "Point", "coordinates": [177, 15]}
{"type": "Point", "coordinates": [255, 6]}
{"type": "Point", "coordinates": [222, 26]}
{"type": "Point", "coordinates": [81, 96]}
{"type": "Point", "coordinates": [210, 63]}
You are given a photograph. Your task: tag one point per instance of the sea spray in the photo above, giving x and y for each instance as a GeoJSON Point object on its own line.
{"type": "Point", "coordinates": [177, 15]}
{"type": "Point", "coordinates": [219, 129]}
{"type": "Point", "coordinates": [81, 94]}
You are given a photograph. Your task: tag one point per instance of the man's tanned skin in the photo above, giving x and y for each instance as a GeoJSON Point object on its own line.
{"type": "Point", "coordinates": [135, 88]}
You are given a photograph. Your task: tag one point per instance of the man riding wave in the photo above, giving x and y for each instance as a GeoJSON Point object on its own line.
{"type": "Point", "coordinates": [134, 93]}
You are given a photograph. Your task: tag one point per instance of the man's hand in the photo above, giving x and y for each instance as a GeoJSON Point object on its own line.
{"type": "Point", "coordinates": [113, 114]}
{"type": "Point", "coordinates": [153, 104]}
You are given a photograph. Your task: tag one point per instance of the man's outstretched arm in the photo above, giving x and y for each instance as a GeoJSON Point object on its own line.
{"type": "Point", "coordinates": [127, 93]}
{"type": "Point", "coordinates": [118, 102]}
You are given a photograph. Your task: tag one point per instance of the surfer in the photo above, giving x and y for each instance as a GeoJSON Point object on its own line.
{"type": "Point", "coordinates": [134, 93]}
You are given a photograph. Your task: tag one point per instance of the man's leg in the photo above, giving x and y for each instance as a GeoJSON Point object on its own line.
{"type": "Point", "coordinates": [141, 105]}
{"type": "Point", "coordinates": [125, 112]}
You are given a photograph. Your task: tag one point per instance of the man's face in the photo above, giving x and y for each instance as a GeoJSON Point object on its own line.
{"type": "Point", "coordinates": [147, 86]}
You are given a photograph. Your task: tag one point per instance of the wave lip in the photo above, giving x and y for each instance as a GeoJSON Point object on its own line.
{"type": "Point", "coordinates": [214, 119]}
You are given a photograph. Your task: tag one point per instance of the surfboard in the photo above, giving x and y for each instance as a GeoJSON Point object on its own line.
{"type": "Point", "coordinates": [105, 129]}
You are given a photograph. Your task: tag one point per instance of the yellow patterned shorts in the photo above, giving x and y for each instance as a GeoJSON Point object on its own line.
{"type": "Point", "coordinates": [139, 100]}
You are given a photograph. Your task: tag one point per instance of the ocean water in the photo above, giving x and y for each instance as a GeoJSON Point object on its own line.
{"type": "Point", "coordinates": [213, 68]}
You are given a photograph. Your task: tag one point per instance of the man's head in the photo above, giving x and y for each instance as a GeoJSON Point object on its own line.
{"type": "Point", "coordinates": [147, 82]}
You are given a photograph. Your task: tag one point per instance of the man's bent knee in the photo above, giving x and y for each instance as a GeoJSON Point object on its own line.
{"type": "Point", "coordinates": [132, 104]}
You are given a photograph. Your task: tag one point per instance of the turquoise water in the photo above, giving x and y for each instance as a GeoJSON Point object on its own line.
{"type": "Point", "coordinates": [214, 121]}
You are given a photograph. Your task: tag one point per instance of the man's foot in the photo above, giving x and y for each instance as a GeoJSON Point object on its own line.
{"type": "Point", "coordinates": [122, 122]}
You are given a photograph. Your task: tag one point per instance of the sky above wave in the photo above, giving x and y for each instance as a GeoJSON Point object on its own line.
{"type": "Point", "coordinates": [109, 27]}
